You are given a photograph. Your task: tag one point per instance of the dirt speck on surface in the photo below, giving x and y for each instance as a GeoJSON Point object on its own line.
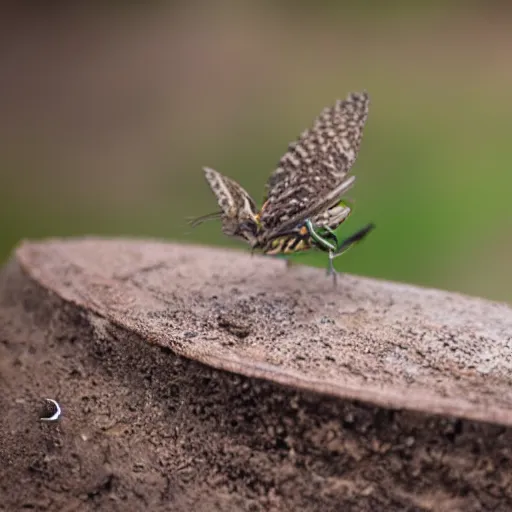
{"type": "Point", "coordinates": [203, 379]}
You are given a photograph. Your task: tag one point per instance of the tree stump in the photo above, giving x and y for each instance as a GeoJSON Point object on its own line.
{"type": "Point", "coordinates": [193, 378]}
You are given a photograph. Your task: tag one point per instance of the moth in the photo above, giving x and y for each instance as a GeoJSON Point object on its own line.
{"type": "Point", "coordinates": [303, 203]}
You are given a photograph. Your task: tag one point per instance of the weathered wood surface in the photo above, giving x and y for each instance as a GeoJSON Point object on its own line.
{"type": "Point", "coordinates": [371, 396]}
{"type": "Point", "coordinates": [388, 344]}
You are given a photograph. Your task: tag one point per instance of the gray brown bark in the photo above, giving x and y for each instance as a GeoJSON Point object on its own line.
{"type": "Point", "coordinates": [202, 379]}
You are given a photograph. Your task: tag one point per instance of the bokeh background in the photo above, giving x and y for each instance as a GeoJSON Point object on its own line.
{"type": "Point", "coordinates": [107, 115]}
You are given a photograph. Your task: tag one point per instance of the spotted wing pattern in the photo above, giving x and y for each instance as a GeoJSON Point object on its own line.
{"type": "Point", "coordinates": [312, 174]}
{"type": "Point", "coordinates": [238, 209]}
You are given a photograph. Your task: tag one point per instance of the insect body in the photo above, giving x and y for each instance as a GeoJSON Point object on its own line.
{"type": "Point", "coordinates": [303, 203]}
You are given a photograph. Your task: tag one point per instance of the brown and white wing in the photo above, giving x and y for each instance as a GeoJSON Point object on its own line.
{"type": "Point", "coordinates": [237, 206]}
{"type": "Point", "coordinates": [231, 197]}
{"type": "Point", "coordinates": [312, 174]}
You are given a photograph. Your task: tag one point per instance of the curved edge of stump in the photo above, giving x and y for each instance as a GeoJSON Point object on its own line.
{"type": "Point", "coordinates": [127, 295]}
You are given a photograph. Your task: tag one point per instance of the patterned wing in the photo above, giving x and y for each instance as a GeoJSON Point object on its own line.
{"type": "Point", "coordinates": [238, 209]}
{"type": "Point", "coordinates": [312, 174]}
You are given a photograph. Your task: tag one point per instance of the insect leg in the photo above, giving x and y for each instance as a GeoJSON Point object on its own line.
{"type": "Point", "coordinates": [344, 246]}
{"type": "Point", "coordinates": [338, 249]}
{"type": "Point", "coordinates": [325, 245]}
{"type": "Point", "coordinates": [331, 271]}
{"type": "Point", "coordinates": [321, 241]}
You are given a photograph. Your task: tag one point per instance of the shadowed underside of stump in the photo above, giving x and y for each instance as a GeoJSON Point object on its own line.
{"type": "Point", "coordinates": [367, 395]}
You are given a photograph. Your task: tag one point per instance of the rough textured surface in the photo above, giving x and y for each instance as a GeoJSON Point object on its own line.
{"type": "Point", "coordinates": [389, 344]}
{"type": "Point", "coordinates": [146, 427]}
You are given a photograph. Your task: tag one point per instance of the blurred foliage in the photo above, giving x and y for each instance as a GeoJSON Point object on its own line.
{"type": "Point", "coordinates": [112, 142]}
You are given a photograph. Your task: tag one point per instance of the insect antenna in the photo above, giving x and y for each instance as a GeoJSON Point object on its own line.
{"type": "Point", "coordinates": [195, 221]}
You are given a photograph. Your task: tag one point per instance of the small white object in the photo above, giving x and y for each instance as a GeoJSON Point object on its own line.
{"type": "Point", "coordinates": [56, 415]}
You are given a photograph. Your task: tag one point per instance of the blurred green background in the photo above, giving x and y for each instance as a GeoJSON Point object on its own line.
{"type": "Point", "coordinates": [107, 116]}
